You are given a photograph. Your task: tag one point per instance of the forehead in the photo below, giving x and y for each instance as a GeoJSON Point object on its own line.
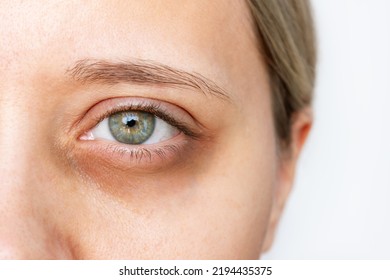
{"type": "Point", "coordinates": [213, 38]}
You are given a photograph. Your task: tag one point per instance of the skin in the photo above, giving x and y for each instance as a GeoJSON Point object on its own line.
{"type": "Point", "coordinates": [216, 197]}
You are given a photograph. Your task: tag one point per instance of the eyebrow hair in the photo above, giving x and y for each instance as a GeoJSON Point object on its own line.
{"type": "Point", "coordinates": [144, 72]}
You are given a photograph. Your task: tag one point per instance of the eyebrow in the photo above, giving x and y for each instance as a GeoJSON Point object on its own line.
{"type": "Point", "coordinates": [142, 72]}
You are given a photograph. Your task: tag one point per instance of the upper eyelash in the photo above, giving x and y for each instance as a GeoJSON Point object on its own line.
{"type": "Point", "coordinates": [152, 109]}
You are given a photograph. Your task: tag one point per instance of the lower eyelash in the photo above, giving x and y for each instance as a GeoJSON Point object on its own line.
{"type": "Point", "coordinates": [140, 153]}
{"type": "Point", "coordinates": [162, 152]}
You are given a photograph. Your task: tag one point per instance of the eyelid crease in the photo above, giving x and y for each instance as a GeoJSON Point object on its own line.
{"type": "Point", "coordinates": [142, 72]}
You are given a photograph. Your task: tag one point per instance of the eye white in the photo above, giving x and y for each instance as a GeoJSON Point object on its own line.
{"type": "Point", "coordinates": [162, 131]}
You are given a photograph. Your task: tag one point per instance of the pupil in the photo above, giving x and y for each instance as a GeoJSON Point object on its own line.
{"type": "Point", "coordinates": [131, 123]}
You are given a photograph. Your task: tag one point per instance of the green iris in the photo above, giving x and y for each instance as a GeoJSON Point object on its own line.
{"type": "Point", "coordinates": [132, 127]}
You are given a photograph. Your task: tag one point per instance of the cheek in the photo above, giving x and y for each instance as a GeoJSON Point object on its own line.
{"type": "Point", "coordinates": [216, 207]}
{"type": "Point", "coordinates": [240, 180]}
{"type": "Point", "coordinates": [208, 217]}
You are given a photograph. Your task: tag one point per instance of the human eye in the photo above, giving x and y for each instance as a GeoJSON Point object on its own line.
{"type": "Point", "coordinates": [133, 127]}
{"type": "Point", "coordinates": [139, 131]}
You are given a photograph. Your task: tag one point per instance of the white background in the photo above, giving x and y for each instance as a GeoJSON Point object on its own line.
{"type": "Point", "coordinates": [281, 270]}
{"type": "Point", "coordinates": [340, 206]}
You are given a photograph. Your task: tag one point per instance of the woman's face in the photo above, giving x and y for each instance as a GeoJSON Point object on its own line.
{"type": "Point", "coordinates": [74, 76]}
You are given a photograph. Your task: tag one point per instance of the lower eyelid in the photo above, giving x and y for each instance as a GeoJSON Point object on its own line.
{"type": "Point", "coordinates": [136, 157]}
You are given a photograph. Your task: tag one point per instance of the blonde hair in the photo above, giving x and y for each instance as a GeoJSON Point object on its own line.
{"type": "Point", "coordinates": [287, 41]}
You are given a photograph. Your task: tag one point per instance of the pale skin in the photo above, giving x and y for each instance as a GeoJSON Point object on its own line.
{"type": "Point", "coordinates": [65, 196]}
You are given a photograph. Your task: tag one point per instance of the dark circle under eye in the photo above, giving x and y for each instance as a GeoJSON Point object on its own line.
{"type": "Point", "coordinates": [132, 127]}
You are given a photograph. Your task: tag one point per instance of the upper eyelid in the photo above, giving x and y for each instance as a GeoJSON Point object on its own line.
{"type": "Point", "coordinates": [155, 110]}
{"type": "Point", "coordinates": [158, 108]}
